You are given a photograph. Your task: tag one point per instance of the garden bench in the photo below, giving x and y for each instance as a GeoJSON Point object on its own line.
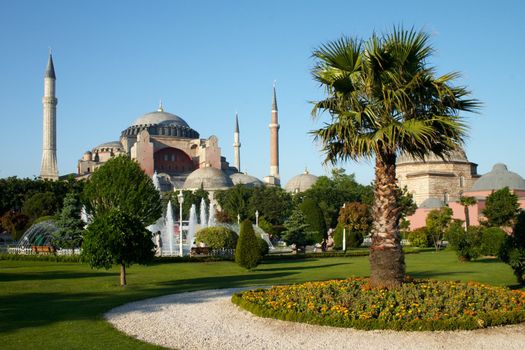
{"type": "Point", "coordinates": [42, 249]}
{"type": "Point", "coordinates": [200, 251]}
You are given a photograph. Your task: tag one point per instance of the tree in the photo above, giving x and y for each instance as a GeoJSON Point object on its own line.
{"type": "Point", "coordinates": [234, 201]}
{"type": "Point", "coordinates": [383, 99]}
{"type": "Point", "coordinates": [15, 223]}
{"type": "Point", "coordinates": [70, 225]}
{"type": "Point", "coordinates": [467, 202]}
{"type": "Point", "coordinates": [513, 250]}
{"type": "Point", "coordinates": [296, 229]}
{"type": "Point", "coordinates": [248, 250]}
{"type": "Point", "coordinates": [117, 237]}
{"type": "Point", "coordinates": [272, 202]}
{"type": "Point", "coordinates": [314, 219]}
{"type": "Point", "coordinates": [121, 184]}
{"type": "Point", "coordinates": [501, 208]}
{"type": "Point", "coordinates": [40, 204]}
{"type": "Point", "coordinates": [438, 221]}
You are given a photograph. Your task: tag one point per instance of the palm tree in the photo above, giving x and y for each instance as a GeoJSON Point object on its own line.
{"type": "Point", "coordinates": [383, 99]}
{"type": "Point", "coordinates": [467, 202]}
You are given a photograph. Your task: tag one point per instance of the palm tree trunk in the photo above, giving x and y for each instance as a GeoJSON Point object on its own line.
{"type": "Point", "coordinates": [122, 275]}
{"type": "Point", "coordinates": [387, 262]}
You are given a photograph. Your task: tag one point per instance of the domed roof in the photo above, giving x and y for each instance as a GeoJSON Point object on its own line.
{"type": "Point", "coordinates": [245, 179]}
{"type": "Point", "coordinates": [209, 178]}
{"type": "Point", "coordinates": [455, 156]}
{"type": "Point", "coordinates": [432, 203]}
{"type": "Point", "coordinates": [107, 146]}
{"type": "Point", "coordinates": [160, 117]}
{"type": "Point", "coordinates": [498, 178]}
{"type": "Point", "coordinates": [301, 182]}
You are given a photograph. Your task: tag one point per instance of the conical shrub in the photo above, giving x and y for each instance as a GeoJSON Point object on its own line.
{"type": "Point", "coordinates": [247, 252]}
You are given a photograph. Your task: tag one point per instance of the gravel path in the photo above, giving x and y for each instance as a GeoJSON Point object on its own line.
{"type": "Point", "coordinates": [208, 320]}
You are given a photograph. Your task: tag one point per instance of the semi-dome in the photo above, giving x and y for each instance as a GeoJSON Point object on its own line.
{"type": "Point", "coordinates": [208, 178]}
{"type": "Point", "coordinates": [245, 179]}
{"type": "Point", "coordinates": [498, 178]}
{"type": "Point", "coordinates": [301, 182]}
{"type": "Point", "coordinates": [432, 203]}
{"type": "Point", "coordinates": [160, 117]}
{"type": "Point", "coordinates": [455, 156]}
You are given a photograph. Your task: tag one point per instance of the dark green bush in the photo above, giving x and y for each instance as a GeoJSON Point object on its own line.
{"type": "Point", "coordinates": [248, 250]}
{"type": "Point", "coordinates": [354, 239]}
{"type": "Point", "coordinates": [315, 220]}
{"type": "Point", "coordinates": [492, 240]}
{"type": "Point", "coordinates": [513, 250]}
{"type": "Point", "coordinates": [466, 244]}
{"type": "Point", "coordinates": [419, 238]}
{"type": "Point", "coordinates": [263, 246]}
{"type": "Point", "coordinates": [217, 237]}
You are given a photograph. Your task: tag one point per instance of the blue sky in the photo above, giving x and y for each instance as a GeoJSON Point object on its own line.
{"type": "Point", "coordinates": [206, 60]}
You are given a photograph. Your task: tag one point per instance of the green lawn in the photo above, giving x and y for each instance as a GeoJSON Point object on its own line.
{"type": "Point", "coordinates": [60, 305]}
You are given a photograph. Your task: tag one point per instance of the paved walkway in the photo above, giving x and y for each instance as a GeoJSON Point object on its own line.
{"type": "Point", "coordinates": [208, 320]}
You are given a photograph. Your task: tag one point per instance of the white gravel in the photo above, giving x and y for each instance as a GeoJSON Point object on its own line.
{"type": "Point", "coordinates": [208, 320]}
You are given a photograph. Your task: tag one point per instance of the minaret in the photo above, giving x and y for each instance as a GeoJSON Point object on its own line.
{"type": "Point", "coordinates": [236, 145]}
{"type": "Point", "coordinates": [274, 178]}
{"type": "Point", "coordinates": [49, 169]}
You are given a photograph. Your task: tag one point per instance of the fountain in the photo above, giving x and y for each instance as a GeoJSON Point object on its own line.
{"type": "Point", "coordinates": [169, 227]}
{"type": "Point", "coordinates": [156, 182]}
{"type": "Point", "coordinates": [84, 216]}
{"type": "Point", "coordinates": [211, 220]}
{"type": "Point", "coordinates": [38, 234]}
{"type": "Point", "coordinates": [203, 214]}
{"type": "Point", "coordinates": [192, 225]}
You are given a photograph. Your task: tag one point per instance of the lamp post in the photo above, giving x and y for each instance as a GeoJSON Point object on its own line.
{"type": "Point", "coordinates": [238, 219]}
{"type": "Point", "coordinates": [180, 197]}
{"type": "Point", "coordinates": [257, 218]}
{"type": "Point", "coordinates": [344, 232]}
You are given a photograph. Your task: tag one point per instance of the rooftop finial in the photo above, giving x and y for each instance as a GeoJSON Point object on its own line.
{"type": "Point", "coordinates": [306, 170]}
{"type": "Point", "coordinates": [274, 102]}
{"type": "Point", "coordinates": [160, 107]}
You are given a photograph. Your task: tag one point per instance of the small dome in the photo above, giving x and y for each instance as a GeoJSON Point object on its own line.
{"type": "Point", "coordinates": [301, 183]}
{"type": "Point", "coordinates": [432, 203]}
{"type": "Point", "coordinates": [245, 179]}
{"type": "Point", "coordinates": [455, 156]}
{"type": "Point", "coordinates": [498, 178]}
{"type": "Point", "coordinates": [160, 117]}
{"type": "Point", "coordinates": [208, 178]}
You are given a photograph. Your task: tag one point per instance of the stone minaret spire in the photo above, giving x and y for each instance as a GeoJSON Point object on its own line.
{"type": "Point", "coordinates": [236, 145]}
{"type": "Point", "coordinates": [274, 139]}
{"type": "Point", "coordinates": [49, 169]}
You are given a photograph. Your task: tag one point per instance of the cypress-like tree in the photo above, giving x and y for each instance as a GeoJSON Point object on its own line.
{"type": "Point", "coordinates": [296, 228]}
{"type": "Point", "coordinates": [315, 220]}
{"type": "Point", "coordinates": [247, 252]}
{"type": "Point", "coordinates": [70, 225]}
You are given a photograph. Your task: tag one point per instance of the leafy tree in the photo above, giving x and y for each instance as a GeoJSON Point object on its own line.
{"type": "Point", "coordinates": [248, 251]}
{"type": "Point", "coordinates": [492, 241]}
{"type": "Point", "coordinates": [296, 229]}
{"type": "Point", "coordinates": [272, 202]}
{"type": "Point", "coordinates": [383, 99]}
{"type": "Point", "coordinates": [354, 239]}
{"type": "Point", "coordinates": [117, 237]}
{"type": "Point", "coordinates": [314, 220]}
{"type": "Point", "coordinates": [70, 226]}
{"type": "Point", "coordinates": [513, 250]}
{"type": "Point", "coordinates": [235, 200]}
{"type": "Point", "coordinates": [466, 202]}
{"type": "Point", "coordinates": [438, 221]}
{"type": "Point", "coordinates": [405, 202]}
{"type": "Point", "coordinates": [331, 192]}
{"type": "Point", "coordinates": [501, 208]}
{"type": "Point", "coordinates": [266, 226]}
{"type": "Point", "coordinates": [15, 223]}
{"type": "Point", "coordinates": [419, 237]}
{"type": "Point", "coordinates": [121, 184]}
{"type": "Point", "coordinates": [467, 243]}
{"type": "Point", "coordinates": [190, 198]}
{"type": "Point", "coordinates": [40, 204]}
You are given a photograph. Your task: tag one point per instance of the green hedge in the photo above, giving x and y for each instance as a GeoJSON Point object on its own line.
{"type": "Point", "coordinates": [217, 237]}
{"type": "Point", "coordinates": [42, 257]}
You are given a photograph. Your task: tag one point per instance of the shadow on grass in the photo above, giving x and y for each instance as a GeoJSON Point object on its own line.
{"type": "Point", "coordinates": [27, 309]}
{"type": "Point", "coordinates": [51, 275]}
{"type": "Point", "coordinates": [433, 274]}
{"type": "Point", "coordinates": [298, 268]}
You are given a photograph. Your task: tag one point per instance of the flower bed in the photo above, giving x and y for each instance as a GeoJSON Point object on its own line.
{"type": "Point", "coordinates": [417, 305]}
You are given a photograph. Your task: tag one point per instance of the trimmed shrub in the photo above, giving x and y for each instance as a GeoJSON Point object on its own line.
{"type": "Point", "coordinates": [248, 251]}
{"type": "Point", "coordinates": [217, 237]}
{"type": "Point", "coordinates": [466, 244]}
{"type": "Point", "coordinates": [264, 248]}
{"type": "Point", "coordinates": [492, 240]}
{"type": "Point", "coordinates": [419, 238]}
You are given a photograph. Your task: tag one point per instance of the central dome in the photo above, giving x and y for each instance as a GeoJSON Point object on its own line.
{"type": "Point", "coordinates": [160, 117]}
